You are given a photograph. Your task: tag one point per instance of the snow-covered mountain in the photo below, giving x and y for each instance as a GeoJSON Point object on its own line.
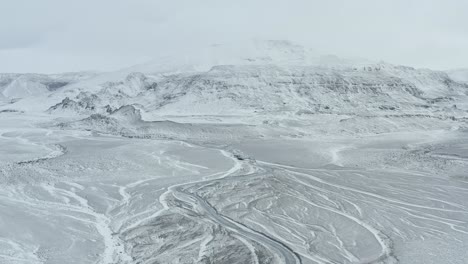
{"type": "Point", "coordinates": [17, 86]}
{"type": "Point", "coordinates": [271, 78]}
{"type": "Point", "coordinates": [460, 75]}
{"type": "Point", "coordinates": [237, 89]}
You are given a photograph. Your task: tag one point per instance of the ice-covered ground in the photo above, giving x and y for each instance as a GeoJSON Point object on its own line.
{"type": "Point", "coordinates": [261, 162]}
{"type": "Point", "coordinates": [73, 196]}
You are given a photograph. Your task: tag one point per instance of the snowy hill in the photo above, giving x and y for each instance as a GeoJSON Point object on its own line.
{"type": "Point", "coordinates": [14, 85]}
{"type": "Point", "coordinates": [270, 78]}
{"type": "Point", "coordinates": [460, 75]}
{"type": "Point", "coordinates": [241, 89]}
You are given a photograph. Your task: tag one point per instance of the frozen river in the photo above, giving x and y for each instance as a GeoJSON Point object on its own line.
{"type": "Point", "coordinates": [76, 196]}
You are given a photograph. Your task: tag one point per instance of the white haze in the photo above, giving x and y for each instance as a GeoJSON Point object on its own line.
{"type": "Point", "coordinates": [59, 36]}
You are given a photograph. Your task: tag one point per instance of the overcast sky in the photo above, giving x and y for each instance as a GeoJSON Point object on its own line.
{"type": "Point", "coordinates": [59, 35]}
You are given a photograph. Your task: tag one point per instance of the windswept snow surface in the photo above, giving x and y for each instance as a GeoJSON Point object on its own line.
{"type": "Point", "coordinates": [272, 158]}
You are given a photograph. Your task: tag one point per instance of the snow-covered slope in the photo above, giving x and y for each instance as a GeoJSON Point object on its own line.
{"type": "Point", "coordinates": [460, 75]}
{"type": "Point", "coordinates": [268, 78]}
{"type": "Point", "coordinates": [241, 89]}
{"type": "Point", "coordinates": [13, 85]}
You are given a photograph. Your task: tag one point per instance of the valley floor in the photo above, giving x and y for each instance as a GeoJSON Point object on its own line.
{"type": "Point", "coordinates": [77, 196]}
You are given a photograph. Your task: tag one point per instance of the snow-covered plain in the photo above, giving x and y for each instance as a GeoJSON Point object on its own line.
{"type": "Point", "coordinates": [262, 159]}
